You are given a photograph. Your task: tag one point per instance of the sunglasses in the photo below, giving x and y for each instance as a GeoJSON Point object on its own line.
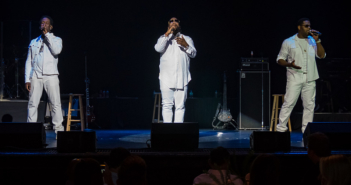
{"type": "Point", "coordinates": [306, 26]}
{"type": "Point", "coordinates": [172, 20]}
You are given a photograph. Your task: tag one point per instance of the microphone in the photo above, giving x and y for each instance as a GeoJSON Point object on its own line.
{"type": "Point", "coordinates": [316, 33]}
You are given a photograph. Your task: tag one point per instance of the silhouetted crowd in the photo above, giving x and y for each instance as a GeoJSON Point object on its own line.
{"type": "Point", "coordinates": [123, 168]}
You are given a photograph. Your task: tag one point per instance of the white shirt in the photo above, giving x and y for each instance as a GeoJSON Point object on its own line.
{"type": "Point", "coordinates": [303, 42]}
{"type": "Point", "coordinates": [38, 60]}
{"type": "Point", "coordinates": [43, 62]}
{"type": "Point", "coordinates": [206, 178]}
{"type": "Point", "coordinates": [292, 50]}
{"type": "Point", "coordinates": [175, 60]}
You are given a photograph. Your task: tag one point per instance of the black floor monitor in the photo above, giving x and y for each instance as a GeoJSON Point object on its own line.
{"type": "Point", "coordinates": [175, 136]}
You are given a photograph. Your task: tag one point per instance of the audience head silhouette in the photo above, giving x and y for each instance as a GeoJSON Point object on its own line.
{"type": "Point", "coordinates": [132, 171]}
{"type": "Point", "coordinates": [117, 156]}
{"type": "Point", "coordinates": [318, 146]}
{"type": "Point", "coordinates": [265, 170]}
{"type": "Point", "coordinates": [87, 171]}
{"type": "Point", "coordinates": [219, 159]}
{"type": "Point", "coordinates": [335, 170]}
{"type": "Point", "coordinates": [6, 118]}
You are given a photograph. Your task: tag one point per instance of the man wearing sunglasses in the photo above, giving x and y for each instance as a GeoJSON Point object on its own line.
{"type": "Point", "coordinates": [175, 51]}
{"type": "Point", "coordinates": [298, 54]}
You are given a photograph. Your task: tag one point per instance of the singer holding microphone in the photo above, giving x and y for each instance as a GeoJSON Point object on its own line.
{"type": "Point", "coordinates": [41, 72]}
{"type": "Point", "coordinates": [175, 51]}
{"type": "Point", "coordinates": [298, 54]}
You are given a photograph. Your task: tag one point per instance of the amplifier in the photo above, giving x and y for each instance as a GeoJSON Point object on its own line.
{"type": "Point", "coordinates": [254, 64]}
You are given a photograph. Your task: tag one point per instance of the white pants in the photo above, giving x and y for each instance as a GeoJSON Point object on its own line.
{"type": "Point", "coordinates": [296, 84]}
{"type": "Point", "coordinates": [172, 97]}
{"type": "Point", "coordinates": [52, 88]}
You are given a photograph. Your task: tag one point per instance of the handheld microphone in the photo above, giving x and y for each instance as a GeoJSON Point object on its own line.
{"type": "Point", "coordinates": [316, 33]}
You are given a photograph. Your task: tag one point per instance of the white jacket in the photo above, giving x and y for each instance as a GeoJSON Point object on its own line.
{"type": "Point", "coordinates": [292, 50]}
{"type": "Point", "coordinates": [175, 60]}
{"type": "Point", "coordinates": [50, 63]}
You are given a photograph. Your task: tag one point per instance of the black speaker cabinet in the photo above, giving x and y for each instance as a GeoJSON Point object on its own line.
{"type": "Point", "coordinates": [266, 141]}
{"type": "Point", "coordinates": [174, 136]}
{"type": "Point", "coordinates": [339, 133]}
{"type": "Point", "coordinates": [22, 135]}
{"type": "Point", "coordinates": [255, 99]}
{"type": "Point", "coordinates": [76, 141]}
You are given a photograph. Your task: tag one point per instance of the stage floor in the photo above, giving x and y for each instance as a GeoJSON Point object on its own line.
{"type": "Point", "coordinates": [136, 139]}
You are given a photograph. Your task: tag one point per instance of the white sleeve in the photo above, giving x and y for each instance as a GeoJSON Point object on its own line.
{"type": "Point", "coordinates": [162, 43]}
{"type": "Point", "coordinates": [54, 43]}
{"type": "Point", "coordinates": [284, 51]}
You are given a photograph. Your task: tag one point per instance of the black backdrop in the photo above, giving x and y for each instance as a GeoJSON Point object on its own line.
{"type": "Point", "coordinates": [119, 37]}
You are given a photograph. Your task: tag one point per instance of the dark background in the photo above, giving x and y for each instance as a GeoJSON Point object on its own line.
{"type": "Point", "coordinates": [119, 37]}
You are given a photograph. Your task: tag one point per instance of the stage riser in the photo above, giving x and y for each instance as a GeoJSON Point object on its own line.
{"type": "Point", "coordinates": [296, 118]}
{"type": "Point", "coordinates": [18, 110]}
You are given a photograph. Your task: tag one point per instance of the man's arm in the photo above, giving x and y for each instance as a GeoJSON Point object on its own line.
{"type": "Point", "coordinates": [287, 64]}
{"type": "Point", "coordinates": [162, 41]}
{"type": "Point", "coordinates": [188, 46]}
{"type": "Point", "coordinates": [320, 52]}
{"type": "Point", "coordinates": [283, 54]}
{"type": "Point", "coordinates": [191, 51]}
{"type": "Point", "coordinates": [54, 43]}
{"type": "Point", "coordinates": [28, 68]}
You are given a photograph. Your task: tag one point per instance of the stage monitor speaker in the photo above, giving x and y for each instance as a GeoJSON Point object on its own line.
{"type": "Point", "coordinates": [266, 141]}
{"type": "Point", "coordinates": [339, 133]}
{"type": "Point", "coordinates": [255, 99]}
{"type": "Point", "coordinates": [76, 141]}
{"type": "Point", "coordinates": [22, 135]}
{"type": "Point", "coordinates": [175, 136]}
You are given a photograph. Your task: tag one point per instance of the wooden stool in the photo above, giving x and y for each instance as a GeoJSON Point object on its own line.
{"type": "Point", "coordinates": [69, 119]}
{"type": "Point", "coordinates": [158, 105]}
{"type": "Point", "coordinates": [275, 112]}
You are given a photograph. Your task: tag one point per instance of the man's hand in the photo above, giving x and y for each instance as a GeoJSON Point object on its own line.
{"type": "Point", "coordinates": [44, 30]}
{"type": "Point", "coordinates": [170, 30]}
{"type": "Point", "coordinates": [292, 64]}
{"type": "Point", "coordinates": [28, 86]}
{"type": "Point", "coordinates": [182, 42]}
{"type": "Point", "coordinates": [315, 37]}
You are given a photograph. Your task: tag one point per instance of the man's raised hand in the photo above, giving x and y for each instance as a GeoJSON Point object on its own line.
{"type": "Point", "coordinates": [182, 42]}
{"type": "Point", "coordinates": [170, 30]}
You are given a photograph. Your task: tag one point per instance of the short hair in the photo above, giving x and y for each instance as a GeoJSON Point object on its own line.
{"type": "Point", "coordinates": [265, 169]}
{"type": "Point", "coordinates": [46, 16]}
{"type": "Point", "coordinates": [117, 156]}
{"type": "Point", "coordinates": [87, 171]}
{"type": "Point", "coordinates": [336, 169]}
{"type": "Point", "coordinates": [6, 118]}
{"type": "Point", "coordinates": [132, 171]}
{"type": "Point", "coordinates": [320, 144]}
{"type": "Point", "coordinates": [219, 156]}
{"type": "Point", "coordinates": [300, 21]}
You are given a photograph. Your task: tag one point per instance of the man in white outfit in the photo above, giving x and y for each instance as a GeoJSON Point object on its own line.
{"type": "Point", "coordinates": [175, 51]}
{"type": "Point", "coordinates": [300, 51]}
{"type": "Point", "coordinates": [41, 72]}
